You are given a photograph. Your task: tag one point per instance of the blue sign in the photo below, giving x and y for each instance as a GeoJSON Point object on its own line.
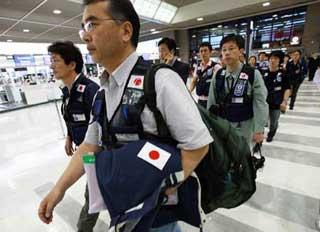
{"type": "Point", "coordinates": [24, 60]}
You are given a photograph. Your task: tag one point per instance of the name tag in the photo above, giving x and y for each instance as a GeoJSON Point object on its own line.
{"type": "Point", "coordinates": [237, 100]}
{"type": "Point", "coordinates": [277, 88]}
{"type": "Point", "coordinates": [79, 117]}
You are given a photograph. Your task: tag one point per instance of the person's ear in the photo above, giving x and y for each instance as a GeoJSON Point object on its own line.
{"type": "Point", "coordinates": [126, 31]}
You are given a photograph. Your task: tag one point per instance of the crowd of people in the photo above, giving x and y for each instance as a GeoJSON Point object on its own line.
{"type": "Point", "coordinates": [245, 94]}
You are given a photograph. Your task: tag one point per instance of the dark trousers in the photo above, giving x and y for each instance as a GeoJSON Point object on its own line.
{"type": "Point", "coordinates": [203, 103]}
{"type": "Point", "coordinates": [311, 74]}
{"type": "Point", "coordinates": [274, 116]}
{"type": "Point", "coordinates": [295, 88]}
{"type": "Point", "coordinates": [86, 221]}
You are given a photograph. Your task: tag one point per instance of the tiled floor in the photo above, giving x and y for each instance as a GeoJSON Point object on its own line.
{"type": "Point", "coordinates": [288, 190]}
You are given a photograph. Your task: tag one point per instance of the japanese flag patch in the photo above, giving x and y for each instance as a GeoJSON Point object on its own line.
{"type": "Point", "coordinates": [136, 82]}
{"type": "Point", "coordinates": [154, 155]}
{"type": "Point", "coordinates": [243, 76]}
{"type": "Point", "coordinates": [81, 88]}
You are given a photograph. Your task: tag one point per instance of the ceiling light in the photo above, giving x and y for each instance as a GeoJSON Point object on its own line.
{"type": "Point", "coordinates": [26, 30]}
{"type": "Point", "coordinates": [266, 4]}
{"type": "Point", "coordinates": [153, 29]}
{"type": "Point", "coordinates": [275, 15]}
{"type": "Point", "coordinates": [56, 11]}
{"type": "Point", "coordinates": [199, 19]}
{"type": "Point", "coordinates": [220, 26]}
{"type": "Point", "coordinates": [155, 32]}
{"type": "Point", "coordinates": [165, 12]}
{"type": "Point", "coordinates": [146, 8]}
{"type": "Point", "coordinates": [9, 40]}
{"type": "Point", "coordinates": [194, 36]}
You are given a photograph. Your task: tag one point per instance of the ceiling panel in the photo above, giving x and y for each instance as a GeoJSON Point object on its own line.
{"type": "Point", "coordinates": [45, 14]}
{"type": "Point", "coordinates": [58, 33]}
{"type": "Point", "coordinates": [17, 8]}
{"type": "Point", "coordinates": [35, 29]}
{"type": "Point", "coordinates": [74, 23]}
{"type": "Point", "coordinates": [151, 25]}
{"type": "Point", "coordinates": [180, 3]}
{"type": "Point", "coordinates": [5, 24]}
{"type": "Point", "coordinates": [14, 39]}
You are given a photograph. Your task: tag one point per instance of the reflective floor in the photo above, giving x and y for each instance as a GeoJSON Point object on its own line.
{"type": "Point", "coordinates": [288, 189]}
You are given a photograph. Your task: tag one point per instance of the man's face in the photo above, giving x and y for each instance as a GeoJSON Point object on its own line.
{"type": "Point", "coordinates": [164, 52]}
{"type": "Point", "coordinates": [262, 57]}
{"type": "Point", "coordinates": [274, 62]}
{"type": "Point", "coordinates": [242, 58]}
{"type": "Point", "coordinates": [104, 39]}
{"type": "Point", "coordinates": [252, 61]}
{"type": "Point", "coordinates": [60, 69]}
{"type": "Point", "coordinates": [230, 52]}
{"type": "Point", "coordinates": [204, 53]}
{"type": "Point", "coordinates": [296, 56]}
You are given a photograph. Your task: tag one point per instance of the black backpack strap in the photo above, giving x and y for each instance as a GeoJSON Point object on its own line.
{"type": "Point", "coordinates": [250, 71]}
{"type": "Point", "coordinates": [150, 98]}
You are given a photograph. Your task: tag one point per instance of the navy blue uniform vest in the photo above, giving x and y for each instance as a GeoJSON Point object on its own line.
{"type": "Point", "coordinates": [235, 106]}
{"type": "Point", "coordinates": [76, 112]}
{"type": "Point", "coordinates": [274, 86]}
{"type": "Point", "coordinates": [204, 79]}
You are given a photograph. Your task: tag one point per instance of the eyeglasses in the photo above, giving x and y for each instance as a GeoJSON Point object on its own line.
{"type": "Point", "coordinates": [90, 26]}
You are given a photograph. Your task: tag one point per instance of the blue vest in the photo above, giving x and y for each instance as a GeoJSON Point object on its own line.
{"type": "Point", "coordinates": [118, 167]}
{"type": "Point", "coordinates": [235, 106]}
{"type": "Point", "coordinates": [204, 79]}
{"type": "Point", "coordinates": [274, 87]}
{"type": "Point", "coordinates": [76, 112]}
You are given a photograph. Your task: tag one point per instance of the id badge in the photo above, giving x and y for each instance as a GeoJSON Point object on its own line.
{"type": "Point", "coordinates": [79, 117]}
{"type": "Point", "coordinates": [237, 100]}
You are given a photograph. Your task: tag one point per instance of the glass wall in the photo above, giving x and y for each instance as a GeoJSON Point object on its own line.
{"type": "Point", "coordinates": [280, 29]}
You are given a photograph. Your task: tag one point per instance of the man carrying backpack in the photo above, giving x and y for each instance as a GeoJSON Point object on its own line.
{"type": "Point", "coordinates": [111, 32]}
{"type": "Point", "coordinates": [237, 92]}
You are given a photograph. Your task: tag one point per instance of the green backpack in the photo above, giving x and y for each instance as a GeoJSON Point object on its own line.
{"type": "Point", "coordinates": [226, 174]}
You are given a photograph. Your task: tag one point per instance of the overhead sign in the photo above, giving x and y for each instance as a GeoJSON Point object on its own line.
{"type": "Point", "coordinates": [24, 60]}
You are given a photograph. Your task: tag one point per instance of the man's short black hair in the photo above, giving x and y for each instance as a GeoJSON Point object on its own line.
{"type": "Point", "coordinates": [68, 52]}
{"type": "Point", "coordinates": [205, 44]}
{"type": "Point", "coordinates": [279, 54]}
{"type": "Point", "coordinates": [297, 50]}
{"type": "Point", "coordinates": [260, 53]}
{"type": "Point", "coordinates": [171, 43]}
{"type": "Point", "coordinates": [237, 39]}
{"type": "Point", "coordinates": [124, 11]}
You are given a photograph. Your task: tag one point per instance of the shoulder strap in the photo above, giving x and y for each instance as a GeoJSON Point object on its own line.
{"type": "Point", "coordinates": [151, 99]}
{"type": "Point", "coordinates": [250, 72]}
{"type": "Point", "coordinates": [219, 85]}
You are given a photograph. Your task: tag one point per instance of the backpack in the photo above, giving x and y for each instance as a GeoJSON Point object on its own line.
{"type": "Point", "coordinates": [226, 174]}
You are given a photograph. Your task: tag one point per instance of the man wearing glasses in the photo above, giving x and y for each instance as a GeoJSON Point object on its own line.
{"type": "Point", "coordinates": [78, 94]}
{"type": "Point", "coordinates": [111, 32]}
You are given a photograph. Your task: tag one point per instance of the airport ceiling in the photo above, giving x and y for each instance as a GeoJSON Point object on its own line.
{"type": "Point", "coordinates": [34, 20]}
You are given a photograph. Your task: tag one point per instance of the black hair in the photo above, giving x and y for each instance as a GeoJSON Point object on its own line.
{"type": "Point", "coordinates": [260, 53]}
{"type": "Point", "coordinates": [68, 52]}
{"type": "Point", "coordinates": [237, 39]}
{"type": "Point", "coordinates": [279, 54]}
{"type": "Point", "coordinates": [253, 57]}
{"type": "Point", "coordinates": [297, 50]}
{"type": "Point", "coordinates": [206, 44]}
{"type": "Point", "coordinates": [122, 10]}
{"type": "Point", "coordinates": [171, 43]}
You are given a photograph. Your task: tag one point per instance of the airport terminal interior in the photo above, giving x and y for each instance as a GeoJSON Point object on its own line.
{"type": "Point", "coordinates": [33, 131]}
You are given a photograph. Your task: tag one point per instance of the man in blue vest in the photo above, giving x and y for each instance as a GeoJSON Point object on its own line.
{"type": "Point", "coordinates": [297, 70]}
{"type": "Point", "coordinates": [78, 94]}
{"type": "Point", "coordinates": [203, 73]}
{"type": "Point", "coordinates": [237, 92]}
{"type": "Point", "coordinates": [278, 86]}
{"type": "Point", "coordinates": [111, 32]}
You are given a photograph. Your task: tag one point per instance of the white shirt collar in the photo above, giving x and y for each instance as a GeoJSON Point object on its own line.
{"type": "Point", "coordinates": [122, 72]}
